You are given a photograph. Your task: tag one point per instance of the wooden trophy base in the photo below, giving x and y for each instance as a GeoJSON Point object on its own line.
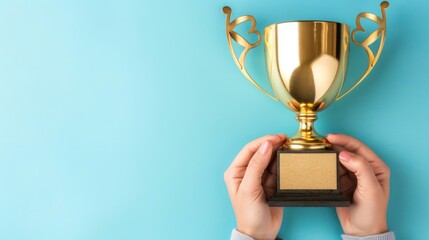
{"type": "Point", "coordinates": [308, 178]}
{"type": "Point", "coordinates": [309, 199]}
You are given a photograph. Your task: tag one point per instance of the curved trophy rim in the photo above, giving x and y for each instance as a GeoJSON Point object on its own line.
{"type": "Point", "coordinates": [306, 21]}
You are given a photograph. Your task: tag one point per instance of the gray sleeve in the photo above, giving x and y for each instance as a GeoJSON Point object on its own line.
{"type": "Point", "coordinates": [236, 235]}
{"type": "Point", "coordinates": [384, 236]}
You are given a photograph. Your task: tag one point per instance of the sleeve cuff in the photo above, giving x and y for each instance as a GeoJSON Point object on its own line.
{"type": "Point", "coordinates": [236, 235]}
{"type": "Point", "coordinates": [384, 236]}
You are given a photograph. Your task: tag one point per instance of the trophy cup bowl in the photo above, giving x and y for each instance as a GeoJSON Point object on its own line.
{"type": "Point", "coordinates": [306, 63]}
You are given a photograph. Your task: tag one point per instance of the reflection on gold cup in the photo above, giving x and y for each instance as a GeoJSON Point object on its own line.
{"type": "Point", "coordinates": [306, 64]}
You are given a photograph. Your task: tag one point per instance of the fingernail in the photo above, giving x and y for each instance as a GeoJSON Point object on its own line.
{"type": "Point", "coordinates": [345, 156]}
{"type": "Point", "coordinates": [263, 149]}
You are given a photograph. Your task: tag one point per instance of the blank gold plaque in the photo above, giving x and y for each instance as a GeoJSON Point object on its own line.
{"type": "Point", "coordinates": [308, 171]}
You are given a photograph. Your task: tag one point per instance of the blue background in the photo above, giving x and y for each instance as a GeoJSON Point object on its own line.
{"type": "Point", "coordinates": [118, 118]}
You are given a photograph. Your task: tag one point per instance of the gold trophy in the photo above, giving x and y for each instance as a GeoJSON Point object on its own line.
{"type": "Point", "coordinates": [306, 63]}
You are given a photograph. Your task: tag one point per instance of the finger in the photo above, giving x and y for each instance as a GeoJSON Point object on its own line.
{"type": "Point", "coordinates": [271, 170]}
{"type": "Point", "coordinates": [380, 168]}
{"type": "Point", "coordinates": [348, 185]}
{"type": "Point", "coordinates": [342, 171]}
{"type": "Point", "coordinates": [269, 179]}
{"type": "Point", "coordinates": [244, 156]}
{"type": "Point", "coordinates": [269, 193]}
{"type": "Point", "coordinates": [269, 184]}
{"type": "Point", "coordinates": [272, 167]}
{"type": "Point", "coordinates": [253, 177]}
{"type": "Point", "coordinates": [234, 174]}
{"type": "Point", "coordinates": [366, 180]}
{"type": "Point", "coordinates": [382, 173]}
{"type": "Point", "coordinates": [353, 145]}
{"type": "Point", "coordinates": [338, 148]}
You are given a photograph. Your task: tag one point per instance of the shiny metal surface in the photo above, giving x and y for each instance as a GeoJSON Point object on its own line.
{"type": "Point", "coordinates": [380, 32]}
{"type": "Point", "coordinates": [306, 64]}
{"type": "Point", "coordinates": [232, 35]}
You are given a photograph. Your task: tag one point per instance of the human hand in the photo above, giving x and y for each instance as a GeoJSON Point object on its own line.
{"type": "Point", "coordinates": [367, 214]}
{"type": "Point", "coordinates": [251, 180]}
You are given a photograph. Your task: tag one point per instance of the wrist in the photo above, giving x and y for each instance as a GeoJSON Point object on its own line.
{"type": "Point", "coordinates": [375, 230]}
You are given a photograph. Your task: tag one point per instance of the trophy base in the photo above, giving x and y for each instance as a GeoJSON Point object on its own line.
{"type": "Point", "coordinates": [308, 178]}
{"type": "Point", "coordinates": [309, 199]}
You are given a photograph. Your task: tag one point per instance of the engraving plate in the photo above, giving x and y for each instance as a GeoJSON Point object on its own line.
{"type": "Point", "coordinates": [308, 171]}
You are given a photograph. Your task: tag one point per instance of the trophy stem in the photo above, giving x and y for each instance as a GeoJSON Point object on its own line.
{"type": "Point", "coordinates": [307, 138]}
{"type": "Point", "coordinates": [306, 118]}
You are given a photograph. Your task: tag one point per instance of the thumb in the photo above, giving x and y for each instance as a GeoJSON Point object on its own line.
{"type": "Point", "coordinates": [365, 176]}
{"type": "Point", "coordinates": [256, 167]}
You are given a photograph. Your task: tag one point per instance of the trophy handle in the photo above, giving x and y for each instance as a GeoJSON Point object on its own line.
{"type": "Point", "coordinates": [379, 32]}
{"type": "Point", "coordinates": [231, 34]}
